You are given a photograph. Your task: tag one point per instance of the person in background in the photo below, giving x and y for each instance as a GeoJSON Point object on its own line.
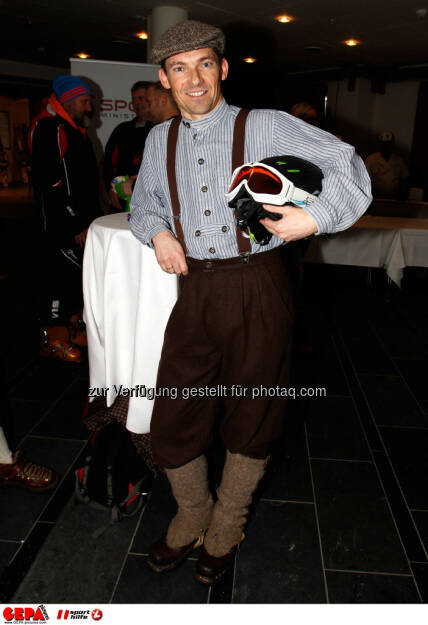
{"type": "Point", "coordinates": [4, 165]}
{"type": "Point", "coordinates": [124, 149]}
{"type": "Point", "coordinates": [387, 170]}
{"type": "Point", "coordinates": [161, 105]}
{"type": "Point", "coordinates": [232, 322]}
{"type": "Point", "coordinates": [305, 111]}
{"type": "Point", "coordinates": [65, 179]}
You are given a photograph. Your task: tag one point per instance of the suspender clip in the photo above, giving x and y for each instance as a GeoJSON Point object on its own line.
{"type": "Point", "coordinates": [245, 257]}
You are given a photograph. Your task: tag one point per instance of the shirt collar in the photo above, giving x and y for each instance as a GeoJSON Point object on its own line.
{"type": "Point", "coordinates": [208, 120]}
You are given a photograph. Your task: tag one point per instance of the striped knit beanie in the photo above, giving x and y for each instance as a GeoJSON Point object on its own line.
{"type": "Point", "coordinates": [67, 88]}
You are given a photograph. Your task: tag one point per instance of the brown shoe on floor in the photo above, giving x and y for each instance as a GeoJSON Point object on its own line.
{"type": "Point", "coordinates": [26, 474]}
{"type": "Point", "coordinates": [210, 569]}
{"type": "Point", "coordinates": [163, 558]}
{"type": "Point", "coordinates": [77, 329]}
{"type": "Point", "coordinates": [55, 343]}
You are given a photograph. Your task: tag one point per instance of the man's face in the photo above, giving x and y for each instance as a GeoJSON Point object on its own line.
{"type": "Point", "coordinates": [194, 78]}
{"type": "Point", "coordinates": [139, 103]}
{"type": "Point", "coordinates": [153, 110]}
{"type": "Point", "coordinates": [80, 109]}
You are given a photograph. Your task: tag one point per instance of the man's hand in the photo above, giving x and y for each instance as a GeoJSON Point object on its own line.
{"type": "Point", "coordinates": [81, 238]}
{"type": "Point", "coordinates": [169, 253]}
{"type": "Point", "coordinates": [295, 224]}
{"type": "Point", "coordinates": [114, 199]}
{"type": "Point", "coordinates": [127, 185]}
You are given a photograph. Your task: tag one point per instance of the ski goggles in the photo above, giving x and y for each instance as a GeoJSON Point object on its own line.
{"type": "Point", "coordinates": [267, 185]}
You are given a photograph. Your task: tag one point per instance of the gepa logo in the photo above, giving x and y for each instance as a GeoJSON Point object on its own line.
{"type": "Point", "coordinates": [25, 615]}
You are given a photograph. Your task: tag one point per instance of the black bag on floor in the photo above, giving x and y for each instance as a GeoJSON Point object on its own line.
{"type": "Point", "coordinates": [114, 475]}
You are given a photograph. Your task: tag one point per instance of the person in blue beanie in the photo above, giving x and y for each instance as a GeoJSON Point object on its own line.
{"type": "Point", "coordinates": [65, 174]}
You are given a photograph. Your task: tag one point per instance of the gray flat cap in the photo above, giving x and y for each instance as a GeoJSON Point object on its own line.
{"type": "Point", "coordinates": [185, 36]}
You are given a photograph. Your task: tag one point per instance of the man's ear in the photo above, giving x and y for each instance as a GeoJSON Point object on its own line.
{"type": "Point", "coordinates": [163, 78]}
{"type": "Point", "coordinates": [224, 67]}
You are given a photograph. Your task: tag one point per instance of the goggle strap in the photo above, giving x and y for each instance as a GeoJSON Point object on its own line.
{"type": "Point", "coordinates": [302, 197]}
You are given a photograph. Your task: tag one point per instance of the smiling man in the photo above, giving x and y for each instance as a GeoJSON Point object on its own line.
{"type": "Point", "coordinates": [231, 326]}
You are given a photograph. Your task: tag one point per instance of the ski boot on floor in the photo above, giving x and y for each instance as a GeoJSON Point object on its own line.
{"type": "Point", "coordinates": [55, 343]}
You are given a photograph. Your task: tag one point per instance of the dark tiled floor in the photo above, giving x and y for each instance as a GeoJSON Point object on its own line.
{"type": "Point", "coordinates": [342, 513]}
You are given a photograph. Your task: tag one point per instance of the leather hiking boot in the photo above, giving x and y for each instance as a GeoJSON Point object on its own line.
{"type": "Point", "coordinates": [77, 331]}
{"type": "Point", "coordinates": [55, 343]}
{"type": "Point", "coordinates": [163, 558]}
{"type": "Point", "coordinates": [210, 569]}
{"type": "Point", "coordinates": [26, 474]}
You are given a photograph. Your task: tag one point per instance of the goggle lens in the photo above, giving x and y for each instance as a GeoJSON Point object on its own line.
{"type": "Point", "coordinates": [259, 180]}
{"type": "Point", "coordinates": [263, 180]}
{"type": "Point", "coordinates": [242, 174]}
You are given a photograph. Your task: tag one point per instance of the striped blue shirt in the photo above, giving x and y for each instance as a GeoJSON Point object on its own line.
{"type": "Point", "coordinates": [204, 167]}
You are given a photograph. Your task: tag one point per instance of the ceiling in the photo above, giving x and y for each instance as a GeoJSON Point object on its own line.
{"type": "Point", "coordinates": [48, 32]}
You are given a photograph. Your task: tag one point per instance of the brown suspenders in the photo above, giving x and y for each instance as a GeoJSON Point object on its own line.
{"type": "Point", "coordinates": [244, 244]}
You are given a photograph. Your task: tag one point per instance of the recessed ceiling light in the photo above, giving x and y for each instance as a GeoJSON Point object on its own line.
{"type": "Point", "coordinates": [143, 35]}
{"type": "Point", "coordinates": [352, 42]}
{"type": "Point", "coordinates": [249, 59]}
{"type": "Point", "coordinates": [83, 55]}
{"type": "Point", "coordinates": [284, 19]}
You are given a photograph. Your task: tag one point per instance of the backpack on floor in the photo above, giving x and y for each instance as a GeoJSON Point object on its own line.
{"type": "Point", "coordinates": [114, 475]}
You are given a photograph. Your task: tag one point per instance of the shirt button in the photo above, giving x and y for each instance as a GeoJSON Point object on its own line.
{"type": "Point", "coordinates": [197, 233]}
{"type": "Point", "coordinates": [224, 228]}
{"type": "Point", "coordinates": [195, 135]}
{"type": "Point", "coordinates": [212, 250]}
{"type": "Point", "coordinates": [204, 189]}
{"type": "Point", "coordinates": [201, 161]}
{"type": "Point", "coordinates": [207, 212]}
{"type": "Point", "coordinates": [186, 124]}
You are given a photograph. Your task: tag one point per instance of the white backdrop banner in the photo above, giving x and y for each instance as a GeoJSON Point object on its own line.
{"type": "Point", "coordinates": [111, 83]}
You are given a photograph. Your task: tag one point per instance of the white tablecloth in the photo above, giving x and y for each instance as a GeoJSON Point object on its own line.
{"type": "Point", "coordinates": [375, 242]}
{"type": "Point", "coordinates": [128, 300]}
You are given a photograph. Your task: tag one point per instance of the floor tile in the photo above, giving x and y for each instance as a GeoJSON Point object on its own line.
{"type": "Point", "coordinates": [366, 353]}
{"type": "Point", "coordinates": [19, 566]}
{"type": "Point", "coordinates": [322, 368]}
{"type": "Point", "coordinates": [407, 449]}
{"type": "Point", "coordinates": [18, 364]}
{"type": "Point", "coordinates": [25, 415]}
{"type": "Point", "coordinates": [222, 592]}
{"type": "Point", "coordinates": [334, 430]}
{"type": "Point", "coordinates": [280, 561]}
{"type": "Point", "coordinates": [159, 511]}
{"type": "Point", "coordinates": [288, 476]}
{"type": "Point", "coordinates": [349, 498]}
{"type": "Point", "coordinates": [64, 420]}
{"type": "Point", "coordinates": [26, 506]}
{"type": "Point", "coordinates": [139, 584]}
{"type": "Point", "coordinates": [400, 511]}
{"type": "Point", "coordinates": [404, 343]}
{"type": "Point", "coordinates": [420, 571]}
{"type": "Point", "coordinates": [7, 551]}
{"type": "Point", "coordinates": [89, 563]}
{"type": "Point", "coordinates": [370, 588]}
{"type": "Point", "coordinates": [64, 491]}
{"type": "Point", "coordinates": [47, 379]}
{"type": "Point", "coordinates": [391, 402]}
{"type": "Point", "coordinates": [358, 396]}
{"type": "Point", "coordinates": [414, 372]}
{"type": "Point", "coordinates": [421, 521]}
